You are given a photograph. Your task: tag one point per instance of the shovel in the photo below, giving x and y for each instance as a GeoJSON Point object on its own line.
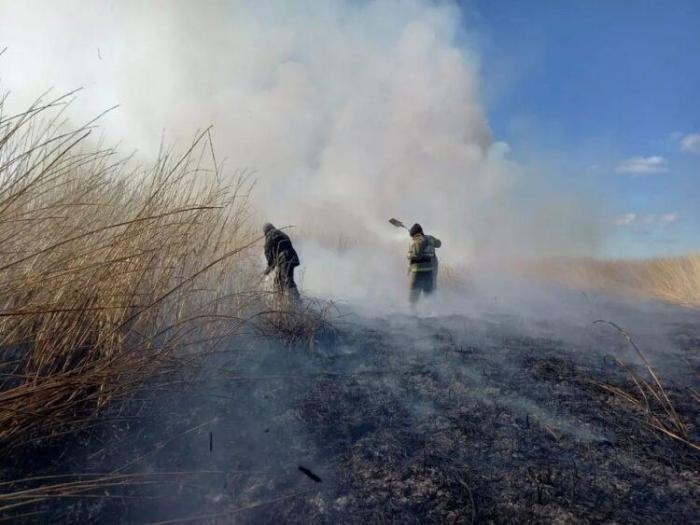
{"type": "Point", "coordinates": [397, 223]}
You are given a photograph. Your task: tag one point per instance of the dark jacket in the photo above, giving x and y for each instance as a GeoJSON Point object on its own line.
{"type": "Point", "coordinates": [279, 250]}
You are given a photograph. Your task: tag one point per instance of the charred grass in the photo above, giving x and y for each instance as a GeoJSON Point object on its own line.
{"type": "Point", "coordinates": [518, 431]}
{"type": "Point", "coordinates": [470, 422]}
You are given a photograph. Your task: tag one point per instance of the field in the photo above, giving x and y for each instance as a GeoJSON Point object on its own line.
{"type": "Point", "coordinates": [497, 419]}
{"type": "Point", "coordinates": [147, 377]}
{"type": "Point", "coordinates": [674, 279]}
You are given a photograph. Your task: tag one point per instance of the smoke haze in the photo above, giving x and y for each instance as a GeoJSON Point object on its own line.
{"type": "Point", "coordinates": [347, 114]}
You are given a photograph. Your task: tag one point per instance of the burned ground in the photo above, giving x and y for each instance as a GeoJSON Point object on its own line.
{"type": "Point", "coordinates": [450, 419]}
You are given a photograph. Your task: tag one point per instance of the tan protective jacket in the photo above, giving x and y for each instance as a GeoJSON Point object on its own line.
{"type": "Point", "coordinates": [421, 253]}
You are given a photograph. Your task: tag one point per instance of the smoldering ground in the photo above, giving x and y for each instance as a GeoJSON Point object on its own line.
{"type": "Point", "coordinates": [499, 416]}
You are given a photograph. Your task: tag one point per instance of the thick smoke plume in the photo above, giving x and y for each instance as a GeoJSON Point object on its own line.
{"type": "Point", "coordinates": [347, 113]}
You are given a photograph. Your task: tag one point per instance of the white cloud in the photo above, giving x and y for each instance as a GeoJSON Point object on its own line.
{"type": "Point", "coordinates": [634, 219]}
{"type": "Point", "coordinates": [642, 165]}
{"type": "Point", "coordinates": [669, 217]}
{"type": "Point", "coordinates": [691, 143]}
{"type": "Point", "coordinates": [627, 218]}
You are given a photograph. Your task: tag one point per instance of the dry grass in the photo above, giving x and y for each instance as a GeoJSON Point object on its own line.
{"type": "Point", "coordinates": [105, 269]}
{"type": "Point", "coordinates": [306, 323]}
{"type": "Point", "coordinates": [673, 279]}
{"type": "Point", "coordinates": [454, 277]}
{"type": "Point", "coordinates": [650, 396]}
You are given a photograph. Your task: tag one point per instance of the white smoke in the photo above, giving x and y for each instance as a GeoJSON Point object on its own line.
{"type": "Point", "coordinates": [348, 112]}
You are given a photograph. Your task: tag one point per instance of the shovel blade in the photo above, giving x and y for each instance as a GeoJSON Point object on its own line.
{"type": "Point", "coordinates": [396, 222]}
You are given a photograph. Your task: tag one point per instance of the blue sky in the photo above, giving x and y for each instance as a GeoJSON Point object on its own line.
{"type": "Point", "coordinates": [598, 98]}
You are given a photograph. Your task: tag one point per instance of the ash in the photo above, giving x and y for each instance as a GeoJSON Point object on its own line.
{"type": "Point", "coordinates": [499, 418]}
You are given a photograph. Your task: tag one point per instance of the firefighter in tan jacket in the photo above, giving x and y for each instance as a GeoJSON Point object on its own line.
{"type": "Point", "coordinates": [423, 263]}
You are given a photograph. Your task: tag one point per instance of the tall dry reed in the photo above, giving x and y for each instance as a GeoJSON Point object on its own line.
{"type": "Point", "coordinates": [106, 269]}
{"type": "Point", "coordinates": [671, 279]}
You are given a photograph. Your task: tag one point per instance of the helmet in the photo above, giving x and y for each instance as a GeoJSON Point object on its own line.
{"type": "Point", "coordinates": [415, 230]}
{"type": "Point", "coordinates": [268, 227]}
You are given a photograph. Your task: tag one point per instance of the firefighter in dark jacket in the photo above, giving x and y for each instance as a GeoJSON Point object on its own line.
{"type": "Point", "coordinates": [281, 256]}
{"type": "Point", "coordinates": [423, 263]}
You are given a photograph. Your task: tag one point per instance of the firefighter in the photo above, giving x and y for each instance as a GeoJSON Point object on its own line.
{"type": "Point", "coordinates": [423, 263]}
{"type": "Point", "coordinates": [281, 256]}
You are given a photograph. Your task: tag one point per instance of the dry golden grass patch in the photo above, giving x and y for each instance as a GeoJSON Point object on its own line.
{"type": "Point", "coordinates": [106, 269]}
{"type": "Point", "coordinates": [671, 279]}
